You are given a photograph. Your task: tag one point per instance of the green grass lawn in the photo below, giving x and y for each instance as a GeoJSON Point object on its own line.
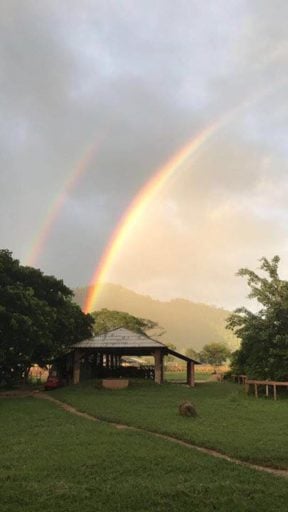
{"type": "Point", "coordinates": [54, 461]}
{"type": "Point", "coordinates": [228, 421]}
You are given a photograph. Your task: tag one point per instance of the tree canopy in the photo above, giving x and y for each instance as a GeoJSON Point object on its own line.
{"type": "Point", "coordinates": [214, 354]}
{"type": "Point", "coordinates": [38, 318]}
{"type": "Point", "coordinates": [192, 353]}
{"type": "Point", "coordinates": [263, 352]}
{"type": "Point", "coordinates": [106, 320]}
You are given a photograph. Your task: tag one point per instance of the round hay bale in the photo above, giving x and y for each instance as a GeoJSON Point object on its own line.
{"type": "Point", "coordinates": [186, 408]}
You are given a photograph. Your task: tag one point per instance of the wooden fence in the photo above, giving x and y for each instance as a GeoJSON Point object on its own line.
{"type": "Point", "coordinates": [240, 379]}
{"type": "Point", "coordinates": [268, 385]}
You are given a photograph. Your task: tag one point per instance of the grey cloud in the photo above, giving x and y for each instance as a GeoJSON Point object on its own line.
{"type": "Point", "coordinates": [143, 78]}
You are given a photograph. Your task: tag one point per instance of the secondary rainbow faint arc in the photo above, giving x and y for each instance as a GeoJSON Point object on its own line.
{"type": "Point", "coordinates": [54, 210]}
{"type": "Point", "coordinates": [137, 207]}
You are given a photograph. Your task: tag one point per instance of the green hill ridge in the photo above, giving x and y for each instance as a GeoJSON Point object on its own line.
{"type": "Point", "coordinates": [186, 324]}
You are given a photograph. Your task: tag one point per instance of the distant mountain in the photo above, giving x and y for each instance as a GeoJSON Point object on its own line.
{"type": "Point", "coordinates": [186, 324]}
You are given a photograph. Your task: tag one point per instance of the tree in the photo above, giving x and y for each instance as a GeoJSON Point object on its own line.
{"type": "Point", "coordinates": [106, 320]}
{"type": "Point", "coordinates": [214, 354]}
{"type": "Point", "coordinates": [171, 358]}
{"type": "Point", "coordinates": [263, 352]}
{"type": "Point", "coordinates": [38, 319]}
{"type": "Point", "coordinates": [193, 354]}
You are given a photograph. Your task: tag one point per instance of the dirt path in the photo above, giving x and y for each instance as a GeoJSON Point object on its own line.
{"type": "Point", "coordinates": [16, 393]}
{"type": "Point", "coordinates": [69, 408]}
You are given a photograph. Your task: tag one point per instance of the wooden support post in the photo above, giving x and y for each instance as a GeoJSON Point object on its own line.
{"type": "Point", "coordinates": [76, 367]}
{"type": "Point", "coordinates": [158, 356]}
{"type": "Point", "coordinates": [246, 387]}
{"type": "Point", "coordinates": [68, 365]}
{"type": "Point", "coordinates": [190, 374]}
{"type": "Point", "coordinates": [275, 391]}
{"type": "Point", "coordinates": [256, 390]}
{"type": "Point", "coordinates": [267, 390]}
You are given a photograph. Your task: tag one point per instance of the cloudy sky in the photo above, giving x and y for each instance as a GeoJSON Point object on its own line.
{"type": "Point", "coordinates": [135, 80]}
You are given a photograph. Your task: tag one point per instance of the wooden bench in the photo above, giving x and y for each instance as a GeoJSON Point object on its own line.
{"type": "Point", "coordinates": [115, 383]}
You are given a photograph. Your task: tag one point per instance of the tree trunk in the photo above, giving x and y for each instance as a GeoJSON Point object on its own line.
{"type": "Point", "coordinates": [26, 374]}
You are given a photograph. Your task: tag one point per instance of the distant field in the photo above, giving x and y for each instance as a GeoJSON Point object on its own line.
{"type": "Point", "coordinates": [202, 372]}
{"type": "Point", "coordinates": [181, 376]}
{"type": "Point", "coordinates": [54, 461]}
{"type": "Point", "coordinates": [244, 427]}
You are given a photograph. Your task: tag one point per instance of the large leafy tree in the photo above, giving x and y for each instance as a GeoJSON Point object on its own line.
{"type": "Point", "coordinates": [107, 320]}
{"type": "Point", "coordinates": [214, 354]}
{"type": "Point", "coordinates": [38, 319]}
{"type": "Point", "coordinates": [264, 334]}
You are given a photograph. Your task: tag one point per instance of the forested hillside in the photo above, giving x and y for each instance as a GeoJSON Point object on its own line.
{"type": "Point", "coordinates": [186, 324]}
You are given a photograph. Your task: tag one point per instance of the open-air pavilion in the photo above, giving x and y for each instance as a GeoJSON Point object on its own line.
{"type": "Point", "coordinates": [101, 355]}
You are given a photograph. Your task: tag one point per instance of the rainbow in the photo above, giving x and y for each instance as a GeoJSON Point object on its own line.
{"type": "Point", "coordinates": [137, 208]}
{"type": "Point", "coordinates": [54, 210]}
{"type": "Point", "coordinates": [151, 188]}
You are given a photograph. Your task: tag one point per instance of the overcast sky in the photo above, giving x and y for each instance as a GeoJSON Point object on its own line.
{"type": "Point", "coordinates": [138, 79]}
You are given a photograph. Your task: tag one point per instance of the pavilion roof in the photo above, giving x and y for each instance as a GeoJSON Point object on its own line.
{"type": "Point", "coordinates": [119, 338]}
{"type": "Point", "coordinates": [122, 338]}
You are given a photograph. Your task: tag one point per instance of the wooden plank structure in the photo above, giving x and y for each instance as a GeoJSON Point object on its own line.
{"type": "Point", "coordinates": [105, 351]}
{"type": "Point", "coordinates": [266, 383]}
{"type": "Point", "coordinates": [240, 379]}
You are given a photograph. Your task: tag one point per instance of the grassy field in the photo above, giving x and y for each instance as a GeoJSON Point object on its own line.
{"type": "Point", "coordinates": [52, 460]}
{"type": "Point", "coordinates": [228, 421]}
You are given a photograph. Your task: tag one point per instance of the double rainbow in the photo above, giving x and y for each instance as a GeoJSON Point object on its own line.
{"type": "Point", "coordinates": [138, 205]}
